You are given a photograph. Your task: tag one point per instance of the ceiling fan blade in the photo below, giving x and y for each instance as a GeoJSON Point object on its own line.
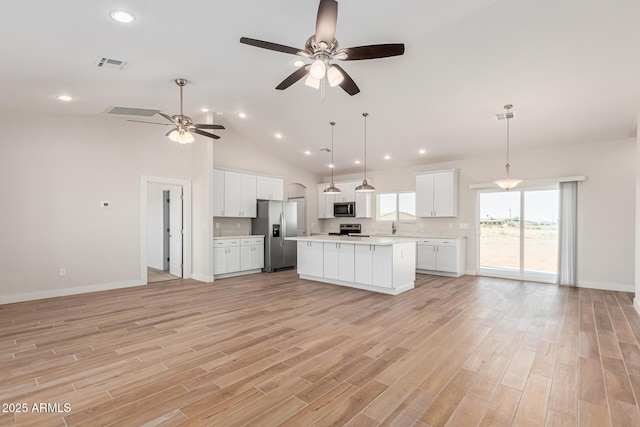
{"type": "Point", "coordinates": [326, 21]}
{"type": "Point", "coordinates": [205, 126]}
{"type": "Point", "coordinates": [270, 46]}
{"type": "Point", "coordinates": [203, 133]}
{"type": "Point", "coordinates": [294, 77]}
{"type": "Point", "coordinates": [373, 51]}
{"type": "Point", "coordinates": [167, 117]}
{"type": "Point", "coordinates": [151, 123]}
{"type": "Point", "coordinates": [347, 84]}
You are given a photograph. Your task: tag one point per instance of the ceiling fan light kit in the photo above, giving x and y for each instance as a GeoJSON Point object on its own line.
{"type": "Point", "coordinates": [322, 48]}
{"type": "Point", "coordinates": [184, 128]}
{"type": "Point", "coordinates": [508, 183]}
{"type": "Point", "coordinates": [365, 187]}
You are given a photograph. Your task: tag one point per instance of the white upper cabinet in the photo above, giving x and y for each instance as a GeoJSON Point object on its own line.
{"type": "Point", "coordinates": [437, 194]}
{"type": "Point", "coordinates": [218, 192]}
{"type": "Point", "coordinates": [364, 201]}
{"type": "Point", "coordinates": [325, 202]}
{"type": "Point", "coordinates": [348, 189]}
{"type": "Point", "coordinates": [269, 188]}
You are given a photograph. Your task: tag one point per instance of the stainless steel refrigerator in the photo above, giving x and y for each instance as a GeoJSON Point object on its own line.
{"type": "Point", "coordinates": [277, 220]}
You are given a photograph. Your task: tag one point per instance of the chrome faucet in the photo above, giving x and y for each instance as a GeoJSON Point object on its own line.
{"type": "Point", "coordinates": [393, 227]}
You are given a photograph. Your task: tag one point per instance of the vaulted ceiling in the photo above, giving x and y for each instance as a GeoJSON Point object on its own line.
{"type": "Point", "coordinates": [571, 69]}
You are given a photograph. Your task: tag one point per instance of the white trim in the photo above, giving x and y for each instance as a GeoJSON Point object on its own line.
{"type": "Point", "coordinates": [530, 183]}
{"type": "Point", "coordinates": [620, 287]}
{"type": "Point", "coordinates": [440, 170]}
{"type": "Point", "coordinates": [470, 272]}
{"type": "Point", "coordinates": [636, 305]}
{"type": "Point", "coordinates": [10, 299]}
{"type": "Point", "coordinates": [186, 223]}
{"type": "Point", "coordinates": [238, 273]}
{"type": "Point", "coordinates": [202, 278]}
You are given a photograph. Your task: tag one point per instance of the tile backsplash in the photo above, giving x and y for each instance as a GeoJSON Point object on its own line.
{"type": "Point", "coordinates": [223, 227]}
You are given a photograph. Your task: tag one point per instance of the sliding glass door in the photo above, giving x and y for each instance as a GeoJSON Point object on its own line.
{"type": "Point", "coordinates": [519, 234]}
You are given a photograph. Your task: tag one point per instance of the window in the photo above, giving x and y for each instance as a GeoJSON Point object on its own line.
{"type": "Point", "coordinates": [399, 206]}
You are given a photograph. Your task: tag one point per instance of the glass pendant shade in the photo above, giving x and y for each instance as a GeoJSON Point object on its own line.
{"type": "Point", "coordinates": [318, 69]}
{"type": "Point", "coordinates": [332, 189]}
{"type": "Point", "coordinates": [181, 136]}
{"type": "Point", "coordinates": [312, 82]}
{"type": "Point", "coordinates": [334, 76]}
{"type": "Point", "coordinates": [365, 187]}
{"type": "Point", "coordinates": [508, 183]}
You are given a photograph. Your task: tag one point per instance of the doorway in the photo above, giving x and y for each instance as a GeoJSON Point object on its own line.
{"type": "Point", "coordinates": [165, 229]}
{"type": "Point", "coordinates": [298, 193]}
{"type": "Point", "coordinates": [518, 234]}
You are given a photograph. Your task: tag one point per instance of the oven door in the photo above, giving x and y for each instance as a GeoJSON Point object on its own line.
{"type": "Point", "coordinates": [344, 209]}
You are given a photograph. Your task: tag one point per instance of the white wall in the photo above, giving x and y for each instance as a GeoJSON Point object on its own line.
{"type": "Point", "coordinates": [636, 300]}
{"type": "Point", "coordinates": [606, 203]}
{"type": "Point", "coordinates": [155, 225]}
{"type": "Point", "coordinates": [55, 171]}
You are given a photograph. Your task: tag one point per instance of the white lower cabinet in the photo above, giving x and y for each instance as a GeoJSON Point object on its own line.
{"type": "Point", "coordinates": [252, 253]}
{"type": "Point", "coordinates": [444, 256]}
{"type": "Point", "coordinates": [235, 256]}
{"type": "Point", "coordinates": [339, 261]}
{"type": "Point", "coordinates": [310, 258]}
{"type": "Point", "coordinates": [226, 256]}
{"type": "Point", "coordinates": [374, 265]}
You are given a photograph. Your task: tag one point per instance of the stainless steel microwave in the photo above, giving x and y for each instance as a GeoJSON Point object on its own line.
{"type": "Point", "coordinates": [344, 209]}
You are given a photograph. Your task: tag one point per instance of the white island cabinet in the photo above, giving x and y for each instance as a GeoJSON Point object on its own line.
{"type": "Point", "coordinates": [379, 264]}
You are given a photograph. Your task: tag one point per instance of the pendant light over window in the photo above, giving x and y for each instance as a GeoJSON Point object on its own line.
{"type": "Point", "coordinates": [365, 187]}
{"type": "Point", "coordinates": [332, 189]}
{"type": "Point", "coordinates": [509, 183]}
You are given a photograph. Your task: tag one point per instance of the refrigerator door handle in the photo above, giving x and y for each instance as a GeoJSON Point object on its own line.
{"type": "Point", "coordinates": [283, 233]}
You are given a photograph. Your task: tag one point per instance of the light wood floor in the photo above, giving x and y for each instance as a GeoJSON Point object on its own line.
{"type": "Point", "coordinates": [271, 349]}
{"type": "Point", "coordinates": [154, 275]}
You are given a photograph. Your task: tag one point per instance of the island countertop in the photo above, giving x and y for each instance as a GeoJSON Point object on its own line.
{"type": "Point", "coordinates": [357, 240]}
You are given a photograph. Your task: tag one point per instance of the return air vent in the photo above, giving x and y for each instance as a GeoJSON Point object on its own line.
{"type": "Point", "coordinates": [131, 111]}
{"type": "Point", "coordinates": [502, 116]}
{"type": "Point", "coordinates": [110, 63]}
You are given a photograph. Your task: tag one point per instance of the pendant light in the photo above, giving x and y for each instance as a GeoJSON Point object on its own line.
{"type": "Point", "coordinates": [509, 183]}
{"type": "Point", "coordinates": [332, 189]}
{"type": "Point", "coordinates": [365, 187]}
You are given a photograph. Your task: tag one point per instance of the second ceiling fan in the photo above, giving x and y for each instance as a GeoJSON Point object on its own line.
{"type": "Point", "coordinates": [322, 47]}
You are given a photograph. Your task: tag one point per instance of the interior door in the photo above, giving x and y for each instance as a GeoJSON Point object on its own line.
{"type": "Point", "coordinates": [175, 230]}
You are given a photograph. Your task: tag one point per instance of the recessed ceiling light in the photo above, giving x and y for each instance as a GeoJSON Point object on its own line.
{"type": "Point", "coordinates": [242, 115]}
{"type": "Point", "coordinates": [308, 153]}
{"type": "Point", "coordinates": [219, 113]}
{"type": "Point", "coordinates": [65, 98]}
{"type": "Point", "coordinates": [123, 16]}
{"type": "Point", "coordinates": [422, 151]}
{"type": "Point", "coordinates": [204, 110]}
{"type": "Point", "coordinates": [278, 135]}
{"type": "Point", "coordinates": [298, 63]}
{"type": "Point", "coordinates": [387, 157]}
{"type": "Point", "coordinates": [357, 162]}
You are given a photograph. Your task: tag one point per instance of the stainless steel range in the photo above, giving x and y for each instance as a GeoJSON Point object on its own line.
{"type": "Point", "coordinates": [349, 229]}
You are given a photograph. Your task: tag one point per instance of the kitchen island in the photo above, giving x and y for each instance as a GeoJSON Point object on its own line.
{"type": "Point", "coordinates": [379, 264]}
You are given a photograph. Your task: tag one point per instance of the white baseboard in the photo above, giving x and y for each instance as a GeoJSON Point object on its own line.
{"type": "Point", "coordinates": [636, 304]}
{"type": "Point", "coordinates": [471, 272]}
{"type": "Point", "coordinates": [9, 299]}
{"type": "Point", "coordinates": [202, 277]}
{"type": "Point", "coordinates": [621, 287]}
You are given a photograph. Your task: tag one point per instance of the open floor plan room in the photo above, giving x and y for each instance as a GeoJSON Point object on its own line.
{"type": "Point", "coordinates": [273, 349]}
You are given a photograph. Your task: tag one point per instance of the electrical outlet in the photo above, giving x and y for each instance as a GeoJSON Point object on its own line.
{"type": "Point", "coordinates": [217, 225]}
{"type": "Point", "coordinates": [62, 272]}
{"type": "Point", "coordinates": [464, 225]}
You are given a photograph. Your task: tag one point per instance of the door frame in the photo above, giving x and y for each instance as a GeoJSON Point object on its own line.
{"type": "Point", "coordinates": [186, 222]}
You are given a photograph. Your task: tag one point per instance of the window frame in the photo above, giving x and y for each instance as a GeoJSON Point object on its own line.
{"type": "Point", "coordinates": [397, 197]}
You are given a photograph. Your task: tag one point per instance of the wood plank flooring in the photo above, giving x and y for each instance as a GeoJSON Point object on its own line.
{"type": "Point", "coordinates": [270, 349]}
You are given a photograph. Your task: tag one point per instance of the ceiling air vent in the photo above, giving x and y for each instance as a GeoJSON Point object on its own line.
{"type": "Point", "coordinates": [502, 116]}
{"type": "Point", "coordinates": [113, 64]}
{"type": "Point", "coordinates": [131, 111]}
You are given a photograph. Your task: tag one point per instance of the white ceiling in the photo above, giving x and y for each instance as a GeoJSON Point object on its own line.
{"type": "Point", "coordinates": [570, 67]}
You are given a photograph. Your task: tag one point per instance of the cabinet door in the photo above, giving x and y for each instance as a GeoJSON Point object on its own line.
{"type": "Point", "coordinates": [364, 202]}
{"type": "Point", "coordinates": [258, 256]}
{"type": "Point", "coordinates": [246, 257]}
{"type": "Point", "coordinates": [331, 261]}
{"type": "Point", "coordinates": [233, 259]}
{"type": "Point", "coordinates": [322, 207]}
{"type": "Point", "coordinates": [363, 264]}
{"type": "Point", "coordinates": [310, 259]}
{"type": "Point", "coordinates": [346, 262]}
{"type": "Point", "coordinates": [277, 188]}
{"type": "Point", "coordinates": [445, 194]}
{"type": "Point", "coordinates": [217, 195]}
{"type": "Point", "coordinates": [424, 195]}
{"type": "Point", "coordinates": [447, 259]}
{"type": "Point", "coordinates": [348, 191]}
{"type": "Point", "coordinates": [383, 266]}
{"type": "Point", "coordinates": [249, 206]}
{"type": "Point", "coordinates": [219, 260]}
{"type": "Point", "coordinates": [263, 188]}
{"type": "Point", "coordinates": [426, 257]}
{"type": "Point", "coordinates": [232, 194]}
